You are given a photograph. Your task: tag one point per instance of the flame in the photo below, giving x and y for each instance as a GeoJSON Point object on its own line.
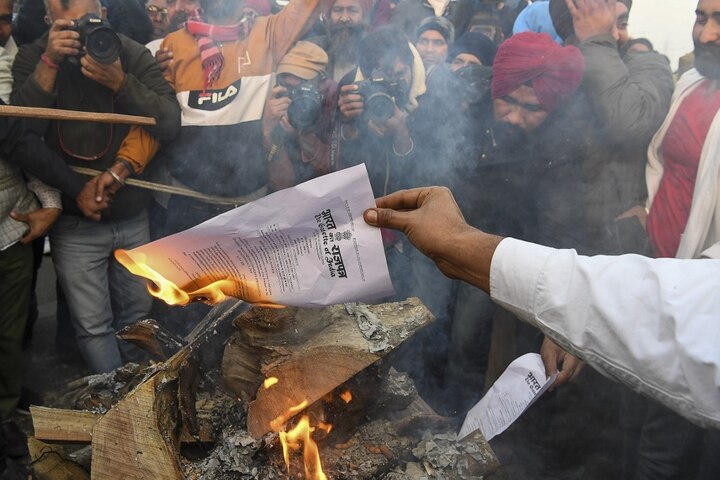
{"type": "Point", "coordinates": [325, 427]}
{"type": "Point", "coordinates": [301, 434]}
{"type": "Point", "coordinates": [346, 396]}
{"type": "Point", "coordinates": [270, 381]}
{"type": "Point", "coordinates": [214, 292]}
{"type": "Point", "coordinates": [311, 456]}
{"type": "Point", "coordinates": [279, 423]}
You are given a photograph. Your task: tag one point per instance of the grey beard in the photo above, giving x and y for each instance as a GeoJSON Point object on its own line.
{"type": "Point", "coordinates": [345, 44]}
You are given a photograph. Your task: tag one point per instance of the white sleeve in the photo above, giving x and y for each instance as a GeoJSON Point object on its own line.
{"type": "Point", "coordinates": [652, 324]}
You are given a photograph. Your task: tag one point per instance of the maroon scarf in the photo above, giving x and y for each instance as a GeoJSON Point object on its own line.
{"type": "Point", "coordinates": [207, 37]}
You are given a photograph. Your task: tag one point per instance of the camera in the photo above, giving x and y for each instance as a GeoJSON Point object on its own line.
{"type": "Point", "coordinates": [378, 94]}
{"type": "Point", "coordinates": [98, 38]}
{"type": "Point", "coordinates": [304, 111]}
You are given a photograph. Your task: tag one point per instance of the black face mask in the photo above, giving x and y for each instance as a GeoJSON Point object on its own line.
{"type": "Point", "coordinates": [707, 60]}
{"type": "Point", "coordinates": [506, 135]}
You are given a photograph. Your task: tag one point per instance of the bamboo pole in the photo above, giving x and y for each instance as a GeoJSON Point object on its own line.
{"type": "Point", "coordinates": [74, 115]}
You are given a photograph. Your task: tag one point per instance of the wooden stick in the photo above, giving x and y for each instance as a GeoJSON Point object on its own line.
{"type": "Point", "coordinates": [60, 425]}
{"type": "Point", "coordinates": [74, 115]}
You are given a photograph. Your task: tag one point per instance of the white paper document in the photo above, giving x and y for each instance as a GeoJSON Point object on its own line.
{"type": "Point", "coordinates": [305, 246]}
{"type": "Point", "coordinates": [517, 388]}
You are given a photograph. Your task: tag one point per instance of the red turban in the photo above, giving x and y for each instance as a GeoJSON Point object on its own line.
{"type": "Point", "coordinates": [555, 72]}
{"type": "Point", "coordinates": [366, 6]}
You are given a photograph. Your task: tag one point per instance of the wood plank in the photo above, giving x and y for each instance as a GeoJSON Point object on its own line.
{"type": "Point", "coordinates": [49, 463]}
{"type": "Point", "coordinates": [61, 425]}
{"type": "Point", "coordinates": [134, 440]}
{"type": "Point", "coordinates": [64, 425]}
{"type": "Point", "coordinates": [74, 115]}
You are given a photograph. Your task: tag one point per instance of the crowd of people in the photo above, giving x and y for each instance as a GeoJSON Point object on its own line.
{"type": "Point", "coordinates": [546, 119]}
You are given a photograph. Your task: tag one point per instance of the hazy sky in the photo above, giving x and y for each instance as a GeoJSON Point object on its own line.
{"type": "Point", "coordinates": [666, 23]}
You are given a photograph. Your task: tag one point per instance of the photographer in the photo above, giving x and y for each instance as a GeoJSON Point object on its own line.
{"type": "Point", "coordinates": [298, 117]}
{"type": "Point", "coordinates": [375, 107]}
{"type": "Point", "coordinates": [81, 64]}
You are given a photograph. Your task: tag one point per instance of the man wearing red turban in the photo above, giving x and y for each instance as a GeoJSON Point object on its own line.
{"type": "Point", "coordinates": [532, 75]}
{"type": "Point", "coordinates": [522, 177]}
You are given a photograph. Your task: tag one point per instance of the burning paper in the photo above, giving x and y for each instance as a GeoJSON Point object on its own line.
{"type": "Point", "coordinates": [306, 246]}
{"type": "Point", "coordinates": [517, 388]}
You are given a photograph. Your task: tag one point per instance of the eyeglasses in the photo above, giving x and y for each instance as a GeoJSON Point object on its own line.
{"type": "Point", "coordinates": [154, 11]}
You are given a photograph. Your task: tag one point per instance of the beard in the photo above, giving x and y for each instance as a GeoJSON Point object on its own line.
{"type": "Point", "coordinates": [219, 10]}
{"type": "Point", "coordinates": [509, 136]}
{"type": "Point", "coordinates": [707, 60]}
{"type": "Point", "coordinates": [345, 43]}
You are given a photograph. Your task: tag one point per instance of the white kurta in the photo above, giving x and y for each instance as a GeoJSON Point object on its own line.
{"type": "Point", "coordinates": [652, 324]}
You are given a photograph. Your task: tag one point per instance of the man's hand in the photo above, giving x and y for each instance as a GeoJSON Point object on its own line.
{"type": "Point", "coordinates": [555, 358]}
{"type": "Point", "coordinates": [88, 201]}
{"type": "Point", "coordinates": [433, 223]}
{"type": "Point", "coordinates": [351, 104]}
{"type": "Point", "coordinates": [62, 42]}
{"type": "Point", "coordinates": [592, 17]}
{"type": "Point", "coordinates": [111, 76]}
{"type": "Point", "coordinates": [39, 221]}
{"type": "Point", "coordinates": [275, 112]}
{"type": "Point", "coordinates": [164, 58]}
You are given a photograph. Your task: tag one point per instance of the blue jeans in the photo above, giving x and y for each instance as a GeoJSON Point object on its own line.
{"type": "Point", "coordinates": [102, 295]}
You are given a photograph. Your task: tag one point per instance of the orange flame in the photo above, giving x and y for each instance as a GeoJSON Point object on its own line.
{"type": "Point", "coordinates": [301, 433]}
{"type": "Point", "coordinates": [326, 427]}
{"type": "Point", "coordinates": [311, 455]}
{"type": "Point", "coordinates": [269, 382]}
{"type": "Point", "coordinates": [346, 396]}
{"type": "Point", "coordinates": [167, 291]}
{"type": "Point", "coordinates": [279, 423]}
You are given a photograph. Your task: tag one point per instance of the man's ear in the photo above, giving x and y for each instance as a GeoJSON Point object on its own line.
{"type": "Point", "coordinates": [48, 20]}
{"type": "Point", "coordinates": [103, 13]}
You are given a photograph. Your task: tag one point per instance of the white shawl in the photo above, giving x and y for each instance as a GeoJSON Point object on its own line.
{"type": "Point", "coordinates": [703, 226]}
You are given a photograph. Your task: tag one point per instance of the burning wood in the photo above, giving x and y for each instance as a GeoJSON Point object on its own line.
{"type": "Point", "coordinates": [310, 352]}
{"type": "Point", "coordinates": [358, 417]}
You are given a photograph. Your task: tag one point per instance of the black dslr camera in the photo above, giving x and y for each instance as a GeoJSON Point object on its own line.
{"type": "Point", "coordinates": [306, 106]}
{"type": "Point", "coordinates": [379, 94]}
{"type": "Point", "coordinates": [98, 38]}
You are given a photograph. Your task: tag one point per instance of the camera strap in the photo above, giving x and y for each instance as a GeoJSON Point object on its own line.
{"type": "Point", "coordinates": [67, 149]}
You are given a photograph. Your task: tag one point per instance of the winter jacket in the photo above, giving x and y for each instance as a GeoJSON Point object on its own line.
{"type": "Point", "coordinates": [220, 151]}
{"type": "Point", "coordinates": [629, 98]}
{"type": "Point", "coordinates": [96, 145]}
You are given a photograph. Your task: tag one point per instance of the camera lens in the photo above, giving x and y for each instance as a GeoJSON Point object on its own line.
{"type": "Point", "coordinates": [303, 111]}
{"type": "Point", "coordinates": [103, 45]}
{"type": "Point", "coordinates": [379, 106]}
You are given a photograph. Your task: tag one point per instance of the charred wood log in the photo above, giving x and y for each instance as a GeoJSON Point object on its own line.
{"type": "Point", "coordinates": [305, 354]}
{"type": "Point", "coordinates": [150, 336]}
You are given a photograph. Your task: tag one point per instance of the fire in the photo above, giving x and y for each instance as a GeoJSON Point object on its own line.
{"type": "Point", "coordinates": [301, 434]}
{"type": "Point", "coordinates": [311, 456]}
{"type": "Point", "coordinates": [167, 291]}
{"type": "Point", "coordinates": [346, 396]}
{"type": "Point", "coordinates": [269, 382]}
{"type": "Point", "coordinates": [160, 286]}
{"type": "Point", "coordinates": [279, 423]}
